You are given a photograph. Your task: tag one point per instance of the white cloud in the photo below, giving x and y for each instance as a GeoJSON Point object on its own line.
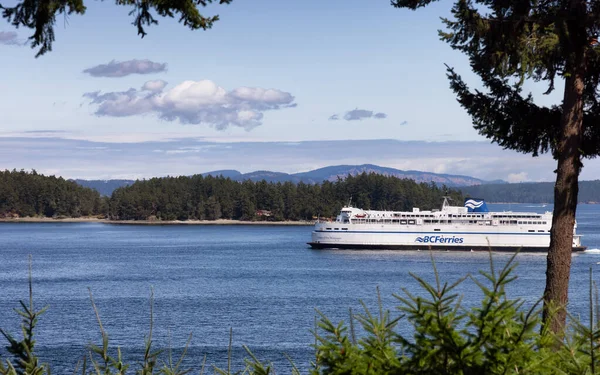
{"type": "Point", "coordinates": [359, 114]}
{"type": "Point", "coordinates": [194, 102]}
{"type": "Point", "coordinates": [117, 69]}
{"type": "Point", "coordinates": [9, 38]}
{"type": "Point", "coordinates": [517, 177]}
{"type": "Point", "coordinates": [154, 86]}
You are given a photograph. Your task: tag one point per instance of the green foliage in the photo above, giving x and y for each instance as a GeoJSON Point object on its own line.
{"type": "Point", "coordinates": [212, 198]}
{"type": "Point", "coordinates": [497, 336]}
{"type": "Point", "coordinates": [40, 15]}
{"type": "Point", "coordinates": [26, 362]}
{"type": "Point", "coordinates": [508, 42]}
{"type": "Point", "coordinates": [32, 194]}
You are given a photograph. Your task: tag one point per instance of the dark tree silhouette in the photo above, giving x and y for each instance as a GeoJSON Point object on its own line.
{"type": "Point", "coordinates": [40, 15]}
{"type": "Point", "coordinates": [508, 42]}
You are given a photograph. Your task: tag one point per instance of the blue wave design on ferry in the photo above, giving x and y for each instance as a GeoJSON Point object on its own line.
{"type": "Point", "coordinates": [476, 205]}
{"type": "Point", "coordinates": [472, 203]}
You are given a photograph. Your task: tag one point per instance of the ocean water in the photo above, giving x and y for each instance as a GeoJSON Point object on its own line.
{"type": "Point", "coordinates": [263, 282]}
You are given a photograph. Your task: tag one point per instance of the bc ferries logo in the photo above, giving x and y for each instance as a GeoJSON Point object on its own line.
{"type": "Point", "coordinates": [476, 205]}
{"type": "Point", "coordinates": [439, 239]}
{"type": "Point", "coordinates": [473, 204]}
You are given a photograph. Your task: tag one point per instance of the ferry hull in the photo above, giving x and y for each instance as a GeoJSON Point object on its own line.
{"type": "Point", "coordinates": [424, 237]}
{"type": "Point", "coordinates": [453, 228]}
{"type": "Point", "coordinates": [316, 245]}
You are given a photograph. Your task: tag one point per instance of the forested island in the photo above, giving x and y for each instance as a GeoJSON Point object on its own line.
{"type": "Point", "coordinates": [211, 198]}
{"type": "Point", "coordinates": [29, 194]}
{"type": "Point", "coordinates": [26, 194]}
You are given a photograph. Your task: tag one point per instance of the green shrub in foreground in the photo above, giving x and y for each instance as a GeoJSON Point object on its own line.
{"type": "Point", "coordinates": [499, 336]}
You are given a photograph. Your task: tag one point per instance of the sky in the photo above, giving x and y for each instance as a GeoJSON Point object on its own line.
{"type": "Point", "coordinates": [277, 85]}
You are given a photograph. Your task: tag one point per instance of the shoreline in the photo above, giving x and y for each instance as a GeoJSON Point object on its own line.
{"type": "Point", "coordinates": [152, 222]}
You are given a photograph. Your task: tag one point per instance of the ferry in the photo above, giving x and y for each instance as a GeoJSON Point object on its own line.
{"type": "Point", "coordinates": [470, 227]}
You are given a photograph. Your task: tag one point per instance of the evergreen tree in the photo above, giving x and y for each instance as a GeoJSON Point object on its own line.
{"type": "Point", "coordinates": [213, 208]}
{"type": "Point", "coordinates": [40, 16]}
{"type": "Point", "coordinates": [508, 42]}
{"type": "Point", "coordinates": [25, 194]}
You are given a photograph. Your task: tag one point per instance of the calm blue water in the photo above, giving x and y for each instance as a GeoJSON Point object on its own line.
{"type": "Point", "coordinates": [264, 282]}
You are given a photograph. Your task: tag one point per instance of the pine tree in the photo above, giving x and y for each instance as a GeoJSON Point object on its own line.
{"type": "Point", "coordinates": [511, 41]}
{"type": "Point", "coordinates": [40, 16]}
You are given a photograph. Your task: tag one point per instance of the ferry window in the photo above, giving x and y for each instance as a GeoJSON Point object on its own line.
{"type": "Point", "coordinates": [411, 221]}
{"type": "Point", "coordinates": [544, 222]}
{"type": "Point", "coordinates": [328, 228]}
{"type": "Point", "coordinates": [336, 228]}
{"type": "Point", "coordinates": [531, 230]}
{"type": "Point", "coordinates": [540, 230]}
{"type": "Point", "coordinates": [344, 228]}
{"type": "Point", "coordinates": [437, 230]}
{"type": "Point", "coordinates": [402, 221]}
{"type": "Point", "coordinates": [520, 222]}
{"type": "Point", "coordinates": [449, 221]}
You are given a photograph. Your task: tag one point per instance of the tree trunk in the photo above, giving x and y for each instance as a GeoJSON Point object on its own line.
{"type": "Point", "coordinates": [565, 202]}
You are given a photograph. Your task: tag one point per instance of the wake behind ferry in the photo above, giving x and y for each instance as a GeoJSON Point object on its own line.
{"type": "Point", "coordinates": [468, 227]}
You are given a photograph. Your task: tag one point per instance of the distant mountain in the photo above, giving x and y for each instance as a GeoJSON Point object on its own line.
{"type": "Point", "coordinates": [340, 171]}
{"type": "Point", "coordinates": [106, 187]}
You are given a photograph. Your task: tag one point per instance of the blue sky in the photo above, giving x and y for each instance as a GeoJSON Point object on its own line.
{"type": "Point", "coordinates": [269, 71]}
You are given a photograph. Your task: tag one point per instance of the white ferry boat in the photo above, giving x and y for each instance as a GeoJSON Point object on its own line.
{"type": "Point", "coordinates": [468, 227]}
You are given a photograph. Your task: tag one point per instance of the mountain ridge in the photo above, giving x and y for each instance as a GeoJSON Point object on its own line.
{"type": "Point", "coordinates": [329, 173]}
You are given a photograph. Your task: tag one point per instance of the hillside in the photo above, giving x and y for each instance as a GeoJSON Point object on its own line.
{"type": "Point", "coordinates": [535, 192]}
{"type": "Point", "coordinates": [340, 171]}
{"type": "Point", "coordinates": [332, 173]}
{"type": "Point", "coordinates": [212, 198]}
{"type": "Point", "coordinates": [27, 194]}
